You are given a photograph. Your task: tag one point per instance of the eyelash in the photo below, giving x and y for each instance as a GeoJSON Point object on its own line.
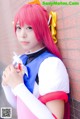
{"type": "Point", "coordinates": [29, 27]}
{"type": "Point", "coordinates": [18, 27]}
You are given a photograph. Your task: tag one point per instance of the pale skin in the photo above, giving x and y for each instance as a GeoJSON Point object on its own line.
{"type": "Point", "coordinates": [13, 77]}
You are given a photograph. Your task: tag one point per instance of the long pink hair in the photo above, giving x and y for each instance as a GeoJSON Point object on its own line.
{"type": "Point", "coordinates": [37, 17]}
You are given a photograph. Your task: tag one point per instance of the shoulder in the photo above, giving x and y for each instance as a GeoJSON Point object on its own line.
{"type": "Point", "coordinates": [53, 63]}
{"type": "Point", "coordinates": [53, 76]}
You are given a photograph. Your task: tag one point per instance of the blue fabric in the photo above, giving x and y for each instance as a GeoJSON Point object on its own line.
{"type": "Point", "coordinates": [32, 68]}
{"type": "Point", "coordinates": [24, 58]}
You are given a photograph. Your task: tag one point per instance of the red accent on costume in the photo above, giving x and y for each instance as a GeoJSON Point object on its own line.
{"type": "Point", "coordinates": [19, 66]}
{"type": "Point", "coordinates": [54, 96]}
{"type": "Point", "coordinates": [54, 116]}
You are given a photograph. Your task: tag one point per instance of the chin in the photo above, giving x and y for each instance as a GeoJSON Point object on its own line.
{"type": "Point", "coordinates": [26, 50]}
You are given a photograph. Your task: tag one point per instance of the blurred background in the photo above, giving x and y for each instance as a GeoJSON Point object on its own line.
{"type": "Point", "coordinates": [68, 35]}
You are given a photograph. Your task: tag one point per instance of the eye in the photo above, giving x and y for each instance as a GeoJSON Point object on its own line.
{"type": "Point", "coordinates": [29, 27]}
{"type": "Point", "coordinates": [18, 27]}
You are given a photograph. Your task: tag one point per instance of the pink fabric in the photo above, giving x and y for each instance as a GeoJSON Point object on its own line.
{"type": "Point", "coordinates": [23, 112]}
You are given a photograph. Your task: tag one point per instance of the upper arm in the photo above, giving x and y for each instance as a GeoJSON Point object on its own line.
{"type": "Point", "coordinates": [53, 76]}
{"type": "Point", "coordinates": [56, 107]}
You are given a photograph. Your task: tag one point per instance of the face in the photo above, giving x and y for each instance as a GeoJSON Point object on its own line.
{"type": "Point", "coordinates": [27, 38]}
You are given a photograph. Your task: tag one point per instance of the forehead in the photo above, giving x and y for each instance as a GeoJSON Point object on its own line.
{"type": "Point", "coordinates": [18, 23]}
{"type": "Point", "coordinates": [25, 25]}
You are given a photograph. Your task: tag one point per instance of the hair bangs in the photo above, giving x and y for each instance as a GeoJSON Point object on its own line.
{"type": "Point", "coordinates": [23, 16]}
{"type": "Point", "coordinates": [33, 15]}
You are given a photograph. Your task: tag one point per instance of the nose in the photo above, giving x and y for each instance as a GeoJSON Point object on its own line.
{"type": "Point", "coordinates": [23, 33]}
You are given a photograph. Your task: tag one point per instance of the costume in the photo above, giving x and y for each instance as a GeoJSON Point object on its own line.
{"type": "Point", "coordinates": [44, 79]}
{"type": "Point", "coordinates": [49, 72]}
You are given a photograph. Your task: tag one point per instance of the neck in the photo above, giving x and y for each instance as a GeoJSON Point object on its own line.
{"type": "Point", "coordinates": [31, 52]}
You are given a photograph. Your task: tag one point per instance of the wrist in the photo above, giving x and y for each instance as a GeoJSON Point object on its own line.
{"type": "Point", "coordinates": [16, 84]}
{"type": "Point", "coordinates": [4, 83]}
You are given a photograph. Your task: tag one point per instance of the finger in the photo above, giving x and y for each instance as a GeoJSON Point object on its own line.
{"type": "Point", "coordinates": [17, 70]}
{"type": "Point", "coordinates": [7, 69]}
{"type": "Point", "coordinates": [11, 68]}
{"type": "Point", "coordinates": [4, 76]}
{"type": "Point", "coordinates": [4, 82]}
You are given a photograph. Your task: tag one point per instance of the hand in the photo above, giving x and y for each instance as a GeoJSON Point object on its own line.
{"type": "Point", "coordinates": [12, 77]}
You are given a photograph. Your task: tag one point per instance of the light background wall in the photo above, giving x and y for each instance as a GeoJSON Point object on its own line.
{"type": "Point", "coordinates": [68, 35]}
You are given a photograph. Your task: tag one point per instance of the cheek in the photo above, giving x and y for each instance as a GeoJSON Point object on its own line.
{"type": "Point", "coordinates": [33, 35]}
{"type": "Point", "coordinates": [17, 34]}
{"type": "Point", "coordinates": [35, 39]}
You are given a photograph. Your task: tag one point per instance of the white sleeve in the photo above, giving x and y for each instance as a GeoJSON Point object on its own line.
{"type": "Point", "coordinates": [35, 106]}
{"type": "Point", "coordinates": [53, 76]}
{"type": "Point", "coordinates": [9, 96]}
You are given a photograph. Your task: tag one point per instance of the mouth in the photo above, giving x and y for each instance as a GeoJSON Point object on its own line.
{"type": "Point", "coordinates": [24, 42]}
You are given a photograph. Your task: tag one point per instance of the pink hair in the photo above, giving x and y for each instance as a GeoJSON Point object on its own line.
{"type": "Point", "coordinates": [37, 17]}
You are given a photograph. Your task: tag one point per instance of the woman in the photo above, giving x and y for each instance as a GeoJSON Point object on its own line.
{"type": "Point", "coordinates": [42, 92]}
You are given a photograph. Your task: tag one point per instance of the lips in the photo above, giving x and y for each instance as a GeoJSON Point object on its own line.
{"type": "Point", "coordinates": [24, 42]}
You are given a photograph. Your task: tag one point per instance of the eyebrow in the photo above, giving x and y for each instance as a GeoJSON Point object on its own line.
{"type": "Point", "coordinates": [17, 23]}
